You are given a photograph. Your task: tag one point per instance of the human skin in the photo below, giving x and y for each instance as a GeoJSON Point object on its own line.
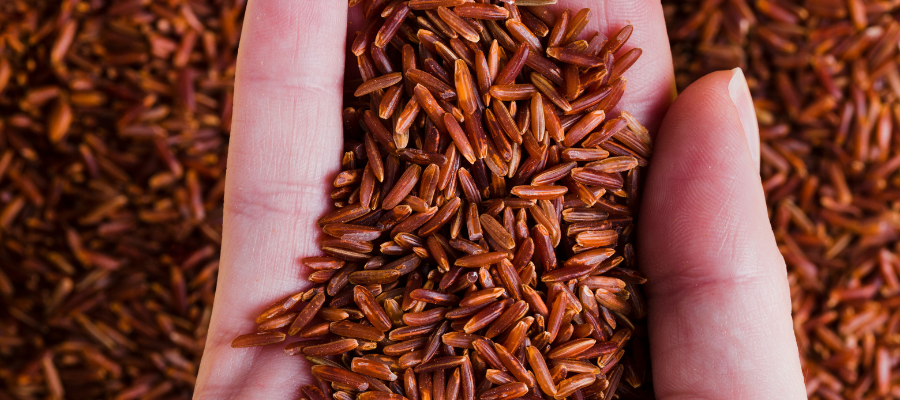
{"type": "Point", "coordinates": [717, 292]}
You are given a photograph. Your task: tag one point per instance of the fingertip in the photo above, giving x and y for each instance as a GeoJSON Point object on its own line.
{"type": "Point", "coordinates": [718, 298]}
{"type": "Point", "coordinates": [702, 185]}
{"type": "Point", "coordinates": [703, 197]}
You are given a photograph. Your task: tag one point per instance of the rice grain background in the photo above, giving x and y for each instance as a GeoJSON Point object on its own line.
{"type": "Point", "coordinates": [113, 124]}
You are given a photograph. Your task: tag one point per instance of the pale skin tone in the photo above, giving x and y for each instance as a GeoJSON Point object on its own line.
{"type": "Point", "coordinates": [717, 292]}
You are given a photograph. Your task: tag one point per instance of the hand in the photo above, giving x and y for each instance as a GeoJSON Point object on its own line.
{"type": "Point", "coordinates": [718, 300]}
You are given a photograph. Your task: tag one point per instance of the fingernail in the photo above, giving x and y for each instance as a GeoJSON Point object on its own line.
{"type": "Point", "coordinates": [743, 102]}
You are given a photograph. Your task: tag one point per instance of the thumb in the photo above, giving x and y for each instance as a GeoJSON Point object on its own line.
{"type": "Point", "coordinates": [717, 291]}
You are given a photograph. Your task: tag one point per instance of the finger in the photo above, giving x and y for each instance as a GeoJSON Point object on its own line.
{"type": "Point", "coordinates": [651, 80]}
{"type": "Point", "coordinates": [718, 297]}
{"type": "Point", "coordinates": [284, 148]}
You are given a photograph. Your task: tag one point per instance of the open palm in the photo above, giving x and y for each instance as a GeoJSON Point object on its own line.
{"type": "Point", "coordinates": [719, 309]}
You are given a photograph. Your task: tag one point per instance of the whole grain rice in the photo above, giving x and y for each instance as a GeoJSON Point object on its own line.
{"type": "Point", "coordinates": [447, 237]}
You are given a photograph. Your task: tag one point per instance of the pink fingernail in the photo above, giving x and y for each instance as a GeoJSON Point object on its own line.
{"type": "Point", "coordinates": [740, 96]}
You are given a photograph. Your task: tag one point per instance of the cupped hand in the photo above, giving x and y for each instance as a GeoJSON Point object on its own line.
{"type": "Point", "coordinates": [717, 291]}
